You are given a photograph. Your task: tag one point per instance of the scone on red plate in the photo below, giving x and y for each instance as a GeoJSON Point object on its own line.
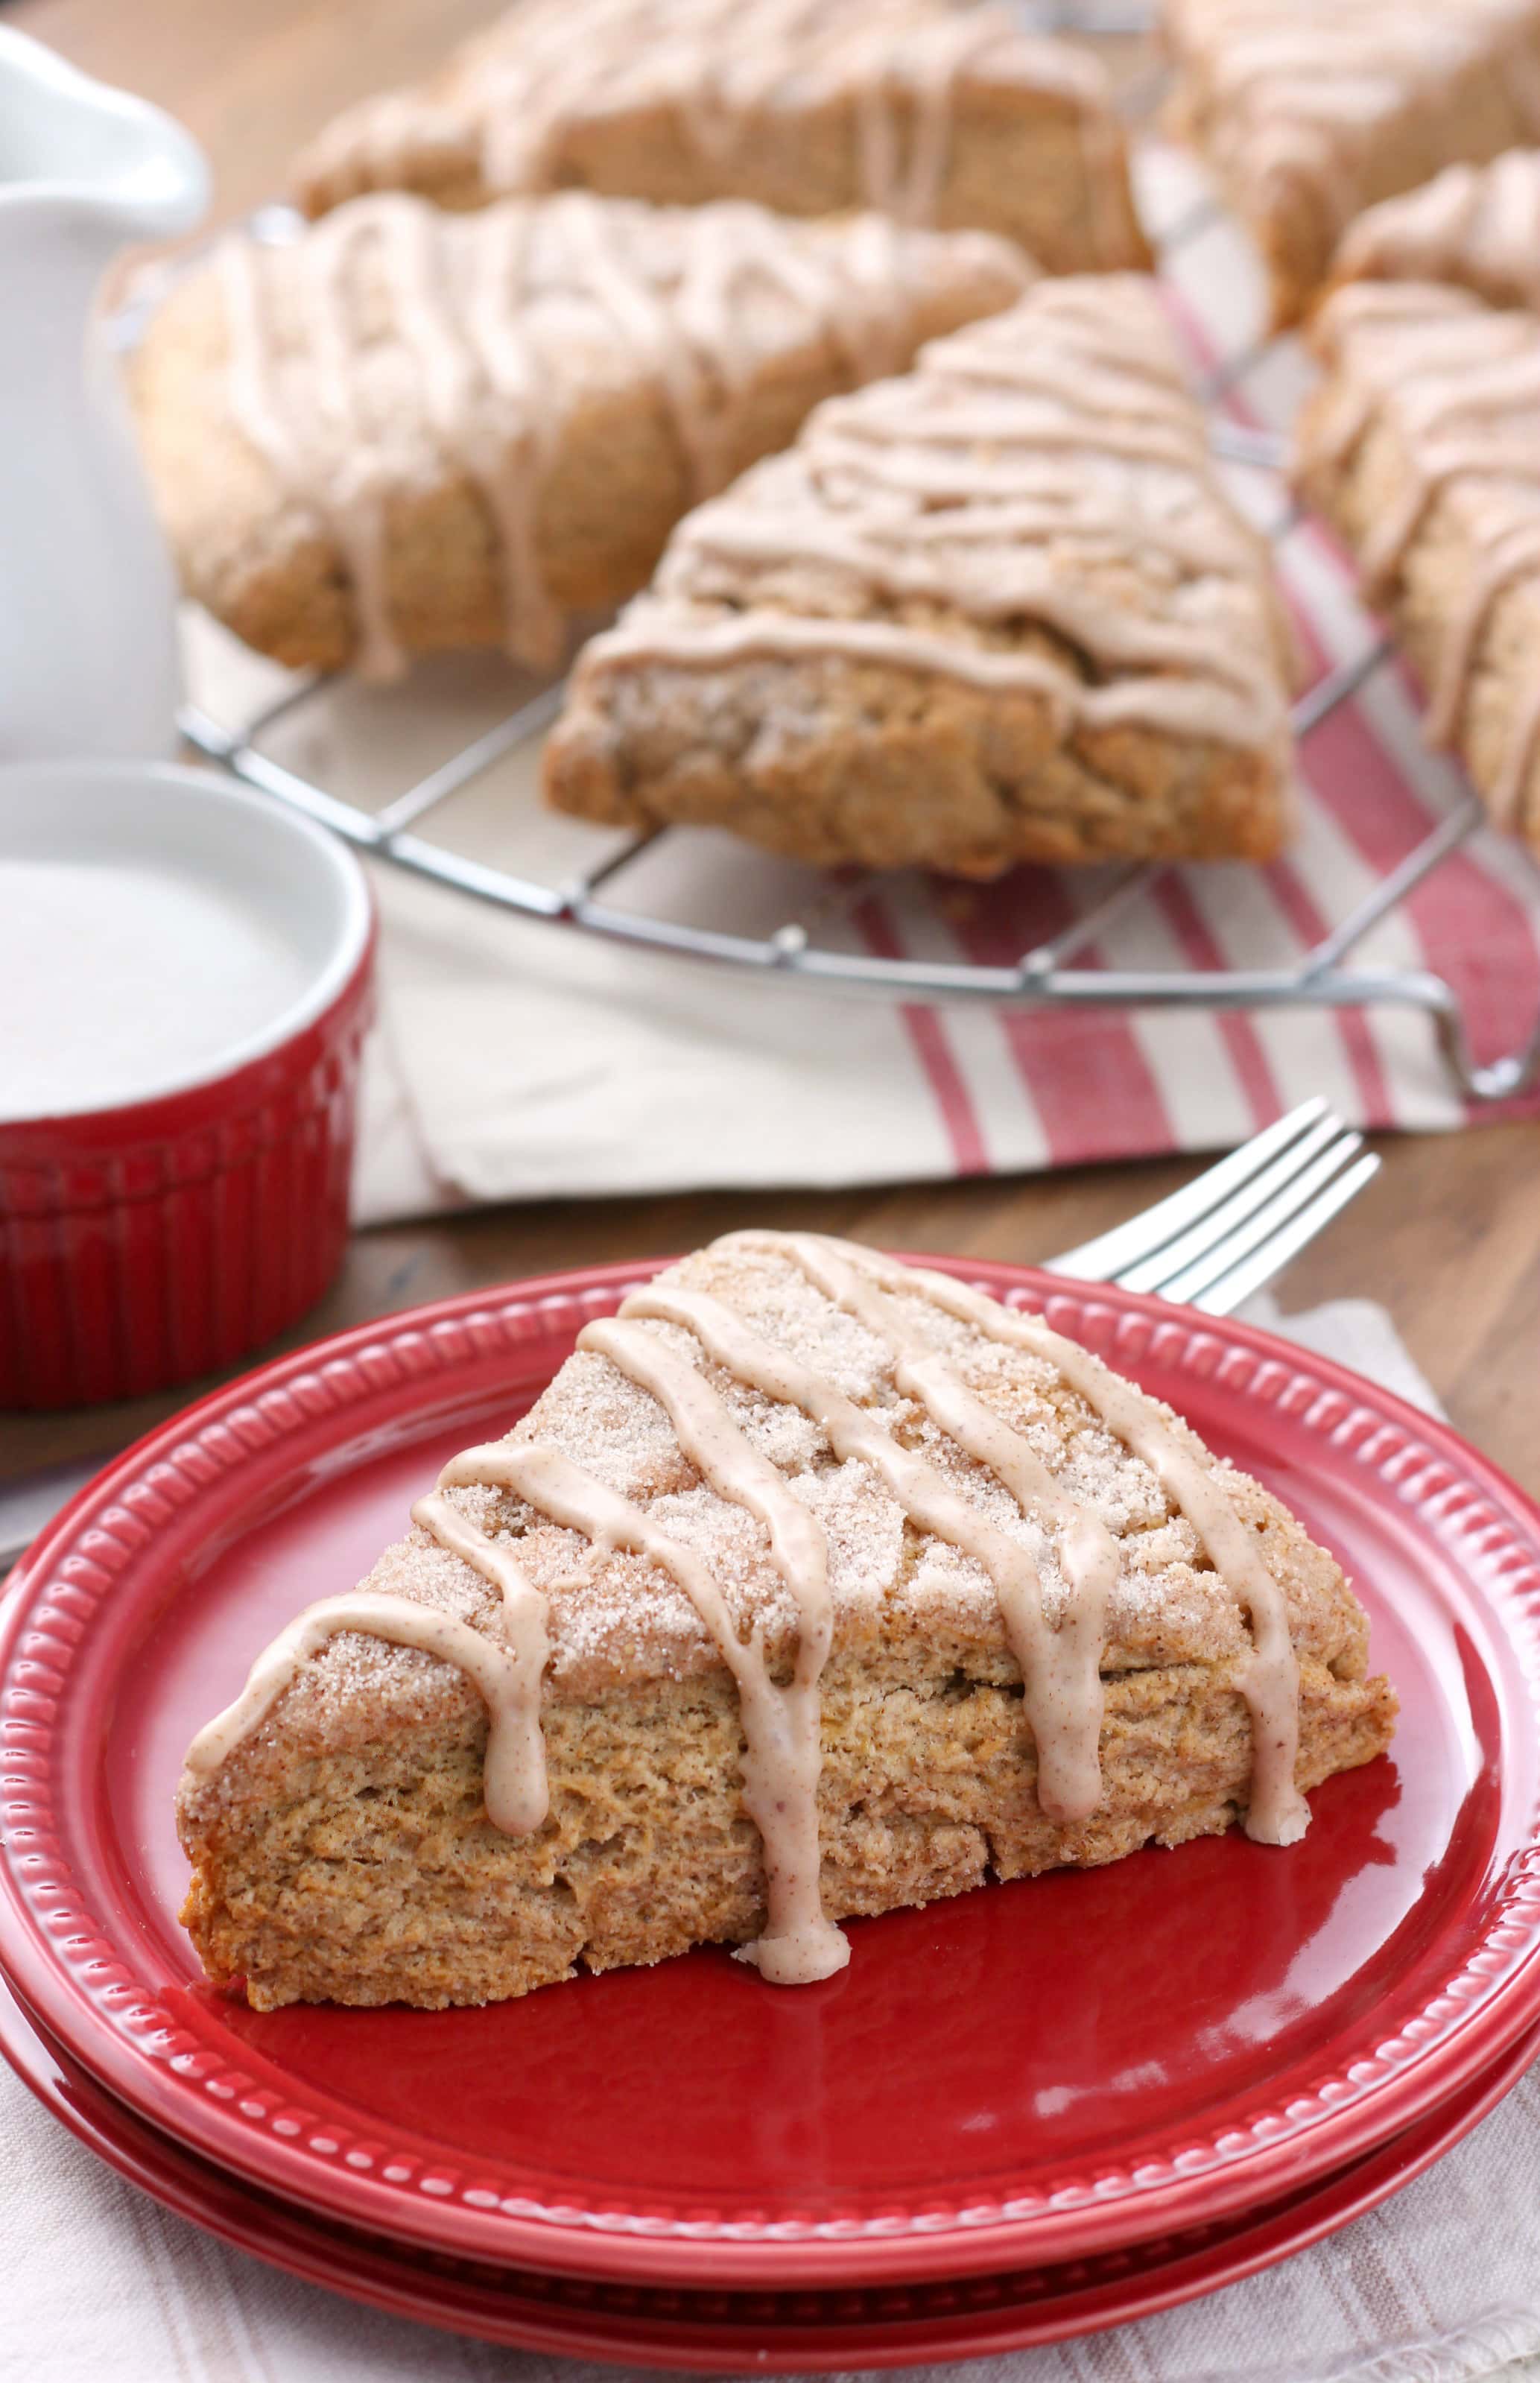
{"type": "Point", "coordinates": [410, 430]}
{"type": "Point", "coordinates": [937, 112]}
{"type": "Point", "coordinates": [1422, 447]}
{"type": "Point", "coordinates": [1311, 110]}
{"type": "Point", "coordinates": [999, 610]}
{"type": "Point", "coordinates": [1474, 227]}
{"type": "Point", "coordinates": [813, 1585]}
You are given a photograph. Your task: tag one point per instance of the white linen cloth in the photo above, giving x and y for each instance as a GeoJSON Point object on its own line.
{"type": "Point", "coordinates": [1439, 2285]}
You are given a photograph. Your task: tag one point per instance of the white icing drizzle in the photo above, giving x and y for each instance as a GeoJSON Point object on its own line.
{"type": "Point", "coordinates": [1060, 1664]}
{"type": "Point", "coordinates": [318, 452]}
{"type": "Point", "coordinates": [1478, 226]}
{"type": "Point", "coordinates": [1270, 1679]}
{"type": "Point", "coordinates": [1068, 1774]}
{"type": "Point", "coordinates": [723, 67]}
{"type": "Point", "coordinates": [1461, 386]}
{"type": "Point", "coordinates": [978, 483]}
{"type": "Point", "coordinates": [475, 305]}
{"type": "Point", "coordinates": [797, 1946]}
{"type": "Point", "coordinates": [1061, 1668]}
{"type": "Point", "coordinates": [785, 1753]}
{"type": "Point", "coordinates": [1291, 99]}
{"type": "Point", "coordinates": [1474, 416]}
{"type": "Point", "coordinates": [507, 1673]}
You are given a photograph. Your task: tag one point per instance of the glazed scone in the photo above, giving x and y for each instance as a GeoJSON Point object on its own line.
{"type": "Point", "coordinates": [1311, 110]}
{"type": "Point", "coordinates": [937, 112]}
{"type": "Point", "coordinates": [999, 610]}
{"type": "Point", "coordinates": [1474, 227]}
{"type": "Point", "coordinates": [409, 430]}
{"type": "Point", "coordinates": [812, 1586]}
{"type": "Point", "coordinates": [1422, 447]}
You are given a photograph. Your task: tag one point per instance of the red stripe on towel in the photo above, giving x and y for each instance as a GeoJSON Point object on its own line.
{"type": "Point", "coordinates": [1254, 1069]}
{"type": "Point", "coordinates": [926, 1030]}
{"type": "Point", "coordinates": [1307, 922]}
{"type": "Point", "coordinates": [1085, 1072]}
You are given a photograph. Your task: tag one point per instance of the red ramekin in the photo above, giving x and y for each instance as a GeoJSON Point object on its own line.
{"type": "Point", "coordinates": [143, 1244]}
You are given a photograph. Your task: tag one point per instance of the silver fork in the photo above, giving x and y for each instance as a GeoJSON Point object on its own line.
{"type": "Point", "coordinates": [1211, 1246]}
{"type": "Point", "coordinates": [1226, 1234]}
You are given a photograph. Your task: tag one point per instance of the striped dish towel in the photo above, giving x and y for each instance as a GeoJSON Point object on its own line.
{"type": "Point", "coordinates": [518, 1060]}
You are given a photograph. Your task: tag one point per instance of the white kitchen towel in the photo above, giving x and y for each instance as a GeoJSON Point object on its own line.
{"type": "Point", "coordinates": [522, 1061]}
{"type": "Point", "coordinates": [98, 2284]}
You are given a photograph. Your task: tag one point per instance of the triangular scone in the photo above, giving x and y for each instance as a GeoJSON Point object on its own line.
{"type": "Point", "coordinates": [1000, 611]}
{"type": "Point", "coordinates": [1422, 446]}
{"type": "Point", "coordinates": [409, 430]}
{"type": "Point", "coordinates": [813, 1585]}
{"type": "Point", "coordinates": [1473, 227]}
{"type": "Point", "coordinates": [1311, 110]}
{"type": "Point", "coordinates": [936, 112]}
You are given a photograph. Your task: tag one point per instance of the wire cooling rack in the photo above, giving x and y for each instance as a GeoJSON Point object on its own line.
{"type": "Point", "coordinates": [808, 947]}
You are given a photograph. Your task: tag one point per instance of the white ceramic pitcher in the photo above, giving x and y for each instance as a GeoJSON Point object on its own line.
{"type": "Point", "coordinates": [87, 597]}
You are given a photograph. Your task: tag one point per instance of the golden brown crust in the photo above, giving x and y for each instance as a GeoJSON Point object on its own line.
{"type": "Point", "coordinates": [1373, 448]}
{"type": "Point", "coordinates": [1033, 148]}
{"type": "Point", "coordinates": [615, 474]}
{"type": "Point", "coordinates": [342, 1851]}
{"type": "Point", "coordinates": [1311, 110]}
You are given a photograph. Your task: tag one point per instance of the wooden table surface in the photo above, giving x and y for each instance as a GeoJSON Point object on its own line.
{"type": "Point", "coordinates": [1449, 1236]}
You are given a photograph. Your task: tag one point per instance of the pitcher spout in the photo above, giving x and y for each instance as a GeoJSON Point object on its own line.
{"type": "Point", "coordinates": [73, 146]}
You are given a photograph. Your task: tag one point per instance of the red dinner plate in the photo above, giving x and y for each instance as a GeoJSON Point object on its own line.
{"type": "Point", "coordinates": [575, 2316]}
{"type": "Point", "coordinates": [1028, 2075]}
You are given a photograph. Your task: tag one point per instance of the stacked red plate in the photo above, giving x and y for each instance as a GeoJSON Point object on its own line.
{"type": "Point", "coordinates": [1033, 2111]}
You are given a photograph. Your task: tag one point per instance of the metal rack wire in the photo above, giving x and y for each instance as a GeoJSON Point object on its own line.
{"type": "Point", "coordinates": [806, 947]}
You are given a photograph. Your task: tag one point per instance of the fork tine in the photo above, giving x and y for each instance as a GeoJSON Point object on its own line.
{"type": "Point", "coordinates": [1232, 1289]}
{"type": "Point", "coordinates": [1185, 1283]}
{"type": "Point", "coordinates": [1190, 1282]}
{"type": "Point", "coordinates": [1104, 1259]}
{"type": "Point", "coordinates": [1185, 1256]}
